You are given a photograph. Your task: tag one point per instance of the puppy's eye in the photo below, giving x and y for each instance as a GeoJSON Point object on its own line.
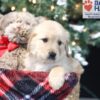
{"type": "Point", "coordinates": [45, 40]}
{"type": "Point", "coordinates": [59, 42]}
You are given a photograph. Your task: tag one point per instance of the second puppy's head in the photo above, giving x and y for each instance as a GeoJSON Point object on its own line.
{"type": "Point", "coordinates": [48, 42]}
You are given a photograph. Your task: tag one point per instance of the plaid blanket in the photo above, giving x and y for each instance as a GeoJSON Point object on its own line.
{"type": "Point", "coordinates": [24, 85]}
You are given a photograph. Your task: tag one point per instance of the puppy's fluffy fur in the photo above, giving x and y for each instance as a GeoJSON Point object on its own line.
{"type": "Point", "coordinates": [47, 51]}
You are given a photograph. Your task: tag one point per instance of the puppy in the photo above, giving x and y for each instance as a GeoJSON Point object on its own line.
{"type": "Point", "coordinates": [47, 51]}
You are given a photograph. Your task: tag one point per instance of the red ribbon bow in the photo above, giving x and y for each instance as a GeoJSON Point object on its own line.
{"type": "Point", "coordinates": [6, 45]}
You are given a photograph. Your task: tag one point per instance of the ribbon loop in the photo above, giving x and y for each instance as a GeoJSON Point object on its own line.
{"type": "Point", "coordinates": [6, 45]}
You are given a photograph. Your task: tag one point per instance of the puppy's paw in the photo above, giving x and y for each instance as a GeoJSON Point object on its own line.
{"type": "Point", "coordinates": [56, 78]}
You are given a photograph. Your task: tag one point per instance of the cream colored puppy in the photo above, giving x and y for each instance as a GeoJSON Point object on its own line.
{"type": "Point", "coordinates": [47, 51]}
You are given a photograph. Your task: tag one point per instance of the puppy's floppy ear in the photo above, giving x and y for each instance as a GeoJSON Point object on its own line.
{"type": "Point", "coordinates": [32, 35]}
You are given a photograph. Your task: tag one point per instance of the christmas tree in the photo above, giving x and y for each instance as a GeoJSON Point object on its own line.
{"type": "Point", "coordinates": [83, 32]}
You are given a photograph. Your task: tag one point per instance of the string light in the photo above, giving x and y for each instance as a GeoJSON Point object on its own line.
{"type": "Point", "coordinates": [30, 0]}
{"type": "Point", "coordinates": [77, 6]}
{"type": "Point", "coordinates": [64, 17]}
{"type": "Point", "coordinates": [52, 7]}
{"type": "Point", "coordinates": [85, 29]}
{"type": "Point", "coordinates": [24, 9]}
{"type": "Point", "coordinates": [34, 1]}
{"type": "Point", "coordinates": [13, 8]}
{"type": "Point", "coordinates": [73, 43]}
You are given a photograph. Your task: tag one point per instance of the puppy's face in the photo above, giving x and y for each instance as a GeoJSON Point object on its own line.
{"type": "Point", "coordinates": [48, 42]}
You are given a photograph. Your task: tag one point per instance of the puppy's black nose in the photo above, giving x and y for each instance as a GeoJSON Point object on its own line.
{"type": "Point", "coordinates": [52, 55]}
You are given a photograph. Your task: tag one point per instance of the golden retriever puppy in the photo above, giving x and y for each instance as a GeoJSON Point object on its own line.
{"type": "Point", "coordinates": [47, 51]}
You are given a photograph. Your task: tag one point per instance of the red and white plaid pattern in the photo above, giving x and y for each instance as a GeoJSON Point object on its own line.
{"type": "Point", "coordinates": [23, 85]}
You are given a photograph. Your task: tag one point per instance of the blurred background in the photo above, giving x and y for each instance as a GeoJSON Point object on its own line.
{"type": "Point", "coordinates": [85, 34]}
